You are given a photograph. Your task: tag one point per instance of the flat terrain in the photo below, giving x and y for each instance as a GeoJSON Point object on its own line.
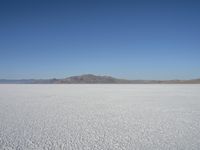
{"type": "Point", "coordinates": [94, 117]}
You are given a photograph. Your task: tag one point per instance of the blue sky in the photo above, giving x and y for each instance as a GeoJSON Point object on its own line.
{"type": "Point", "coordinates": [128, 39]}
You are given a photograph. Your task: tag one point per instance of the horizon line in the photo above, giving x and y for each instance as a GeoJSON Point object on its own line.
{"type": "Point", "coordinates": [50, 78]}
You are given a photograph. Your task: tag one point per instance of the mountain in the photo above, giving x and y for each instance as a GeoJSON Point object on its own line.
{"type": "Point", "coordinates": [90, 79]}
{"type": "Point", "coordinates": [94, 79]}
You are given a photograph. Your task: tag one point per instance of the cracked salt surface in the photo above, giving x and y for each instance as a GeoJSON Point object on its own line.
{"type": "Point", "coordinates": [94, 117]}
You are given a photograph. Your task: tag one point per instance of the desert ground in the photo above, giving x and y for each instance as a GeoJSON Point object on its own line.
{"type": "Point", "coordinates": [99, 117]}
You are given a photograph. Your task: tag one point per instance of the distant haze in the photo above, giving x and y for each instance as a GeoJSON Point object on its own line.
{"type": "Point", "coordinates": [154, 39]}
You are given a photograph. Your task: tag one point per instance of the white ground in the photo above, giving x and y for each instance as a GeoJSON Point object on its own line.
{"type": "Point", "coordinates": [108, 117]}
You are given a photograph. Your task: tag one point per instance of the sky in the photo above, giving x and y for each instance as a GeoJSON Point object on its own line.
{"type": "Point", "coordinates": [157, 39]}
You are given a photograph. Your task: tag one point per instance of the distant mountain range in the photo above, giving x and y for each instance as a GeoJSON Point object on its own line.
{"type": "Point", "coordinates": [94, 79]}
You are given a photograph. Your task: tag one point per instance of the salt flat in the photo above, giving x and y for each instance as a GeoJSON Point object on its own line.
{"type": "Point", "coordinates": [94, 117]}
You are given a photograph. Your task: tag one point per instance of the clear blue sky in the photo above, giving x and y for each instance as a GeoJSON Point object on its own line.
{"type": "Point", "coordinates": [129, 39]}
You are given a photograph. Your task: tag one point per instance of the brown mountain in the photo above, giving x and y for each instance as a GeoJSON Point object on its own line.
{"type": "Point", "coordinates": [91, 79]}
